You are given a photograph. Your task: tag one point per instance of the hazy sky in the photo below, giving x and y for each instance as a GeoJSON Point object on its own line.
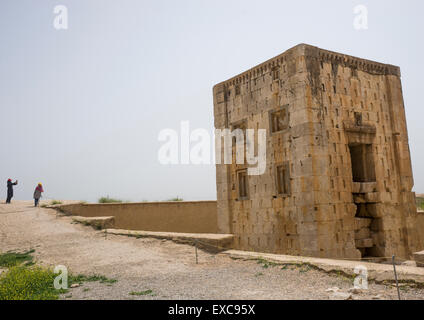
{"type": "Point", "coordinates": [81, 109]}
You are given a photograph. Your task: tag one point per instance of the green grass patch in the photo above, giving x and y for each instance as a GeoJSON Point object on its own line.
{"type": "Point", "coordinates": [265, 263]}
{"type": "Point", "coordinates": [12, 259]}
{"type": "Point", "coordinates": [304, 268]}
{"type": "Point", "coordinates": [23, 283]}
{"type": "Point", "coordinates": [97, 226]}
{"type": "Point", "coordinates": [142, 293]}
{"type": "Point", "coordinates": [36, 283]}
{"type": "Point", "coordinates": [92, 278]}
{"type": "Point", "coordinates": [109, 200]}
{"type": "Point", "coordinates": [51, 203]}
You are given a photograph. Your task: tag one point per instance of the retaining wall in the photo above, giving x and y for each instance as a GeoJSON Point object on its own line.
{"type": "Point", "coordinates": [184, 216]}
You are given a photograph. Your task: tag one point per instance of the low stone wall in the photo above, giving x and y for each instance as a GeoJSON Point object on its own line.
{"type": "Point", "coordinates": [184, 216]}
{"type": "Point", "coordinates": [420, 222]}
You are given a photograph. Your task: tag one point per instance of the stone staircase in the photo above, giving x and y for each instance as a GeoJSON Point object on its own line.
{"type": "Point", "coordinates": [363, 237]}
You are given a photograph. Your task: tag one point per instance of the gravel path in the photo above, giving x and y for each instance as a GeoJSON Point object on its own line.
{"type": "Point", "coordinates": [161, 269]}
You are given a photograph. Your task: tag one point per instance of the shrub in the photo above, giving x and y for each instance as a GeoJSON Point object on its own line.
{"type": "Point", "coordinates": [21, 283]}
{"type": "Point", "coordinates": [175, 199]}
{"type": "Point", "coordinates": [109, 200]}
{"type": "Point", "coordinates": [53, 202]}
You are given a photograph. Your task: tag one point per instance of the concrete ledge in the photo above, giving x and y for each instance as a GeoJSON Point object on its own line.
{"type": "Point", "coordinates": [376, 272]}
{"type": "Point", "coordinates": [419, 258]}
{"type": "Point", "coordinates": [171, 216]}
{"type": "Point", "coordinates": [213, 242]}
{"type": "Point", "coordinates": [96, 222]}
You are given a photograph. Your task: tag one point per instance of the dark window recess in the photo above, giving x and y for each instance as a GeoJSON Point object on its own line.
{"type": "Point", "coordinates": [362, 159]}
{"type": "Point", "coordinates": [279, 119]}
{"type": "Point", "coordinates": [237, 90]}
{"type": "Point", "coordinates": [358, 118]}
{"type": "Point", "coordinates": [283, 179]}
{"type": "Point", "coordinates": [275, 74]}
{"type": "Point", "coordinates": [239, 131]}
{"type": "Point", "coordinates": [243, 187]}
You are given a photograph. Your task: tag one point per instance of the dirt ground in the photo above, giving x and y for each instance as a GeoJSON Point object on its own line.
{"type": "Point", "coordinates": [162, 269]}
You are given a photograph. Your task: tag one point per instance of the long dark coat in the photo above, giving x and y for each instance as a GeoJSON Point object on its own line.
{"type": "Point", "coordinates": [10, 188]}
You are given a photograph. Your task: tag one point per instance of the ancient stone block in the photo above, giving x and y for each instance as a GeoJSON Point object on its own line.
{"type": "Point", "coordinates": [363, 233]}
{"type": "Point", "coordinates": [364, 243]}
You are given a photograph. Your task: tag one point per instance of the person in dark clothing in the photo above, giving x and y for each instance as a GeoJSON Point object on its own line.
{"type": "Point", "coordinates": [10, 185]}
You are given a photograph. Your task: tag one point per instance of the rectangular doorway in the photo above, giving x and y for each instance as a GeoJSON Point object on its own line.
{"type": "Point", "coordinates": [362, 159]}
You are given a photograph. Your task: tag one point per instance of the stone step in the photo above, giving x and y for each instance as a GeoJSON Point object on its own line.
{"type": "Point", "coordinates": [96, 222]}
{"type": "Point", "coordinates": [370, 197]}
{"type": "Point", "coordinates": [375, 271]}
{"type": "Point", "coordinates": [213, 242]}
{"type": "Point", "coordinates": [419, 258]}
{"type": "Point", "coordinates": [364, 187]}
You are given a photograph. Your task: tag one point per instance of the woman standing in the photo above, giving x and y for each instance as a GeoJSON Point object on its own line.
{"type": "Point", "coordinates": [37, 194]}
{"type": "Point", "coordinates": [10, 185]}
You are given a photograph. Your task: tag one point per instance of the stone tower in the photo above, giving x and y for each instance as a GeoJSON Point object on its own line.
{"type": "Point", "coordinates": [338, 179]}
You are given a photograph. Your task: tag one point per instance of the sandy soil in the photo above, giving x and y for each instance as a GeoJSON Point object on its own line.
{"type": "Point", "coordinates": [166, 268]}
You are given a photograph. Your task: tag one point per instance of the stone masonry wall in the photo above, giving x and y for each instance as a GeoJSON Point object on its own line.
{"type": "Point", "coordinates": [339, 108]}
